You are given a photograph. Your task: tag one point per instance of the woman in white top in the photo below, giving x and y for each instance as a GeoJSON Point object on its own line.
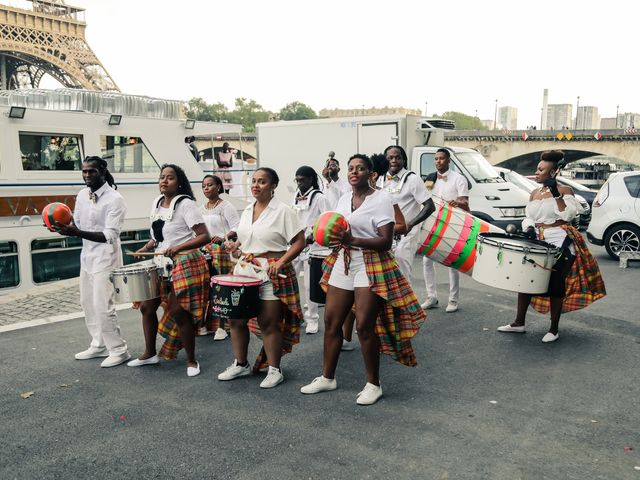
{"type": "Point", "coordinates": [221, 219]}
{"type": "Point", "coordinates": [309, 203]}
{"type": "Point", "coordinates": [575, 281]}
{"type": "Point", "coordinates": [177, 230]}
{"type": "Point", "coordinates": [362, 270]}
{"type": "Point", "coordinates": [271, 237]}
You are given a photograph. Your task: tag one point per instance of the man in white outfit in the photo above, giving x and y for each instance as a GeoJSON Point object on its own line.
{"type": "Point", "coordinates": [335, 187]}
{"type": "Point", "coordinates": [451, 187]}
{"type": "Point", "coordinates": [98, 218]}
{"type": "Point", "coordinates": [409, 192]}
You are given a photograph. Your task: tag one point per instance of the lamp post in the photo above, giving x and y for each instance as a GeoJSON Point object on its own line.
{"type": "Point", "coordinates": [495, 116]}
{"type": "Point", "coordinates": [617, 109]}
{"type": "Point", "coordinates": [425, 108]}
{"type": "Point", "coordinates": [577, 108]}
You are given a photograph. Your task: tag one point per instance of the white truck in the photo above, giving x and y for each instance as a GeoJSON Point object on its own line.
{"type": "Point", "coordinates": [286, 145]}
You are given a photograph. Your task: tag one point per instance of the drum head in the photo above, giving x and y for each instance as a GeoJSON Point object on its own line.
{"type": "Point", "coordinates": [516, 241]}
{"type": "Point", "coordinates": [236, 280]}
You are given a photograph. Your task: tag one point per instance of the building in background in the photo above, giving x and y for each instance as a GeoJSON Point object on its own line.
{"type": "Point", "coordinates": [487, 124]}
{"type": "Point", "coordinates": [587, 118]}
{"type": "Point", "coordinates": [559, 116]}
{"type": "Point", "coordinates": [608, 123]}
{"type": "Point", "coordinates": [357, 112]}
{"type": "Point", "coordinates": [508, 118]}
{"type": "Point", "coordinates": [629, 120]}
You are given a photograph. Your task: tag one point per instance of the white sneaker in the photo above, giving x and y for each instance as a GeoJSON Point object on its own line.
{"type": "Point", "coordinates": [369, 395]}
{"type": "Point", "coordinates": [312, 326]}
{"type": "Point", "coordinates": [235, 371]}
{"type": "Point", "coordinates": [193, 371]}
{"type": "Point", "coordinates": [430, 302]}
{"type": "Point", "coordinates": [113, 360]}
{"type": "Point", "coordinates": [510, 329]}
{"type": "Point", "coordinates": [136, 362]}
{"type": "Point", "coordinates": [202, 331]}
{"type": "Point", "coordinates": [320, 384]}
{"type": "Point", "coordinates": [92, 352]}
{"type": "Point", "coordinates": [221, 334]}
{"type": "Point", "coordinates": [274, 377]}
{"type": "Point", "coordinates": [550, 337]}
{"type": "Point", "coordinates": [452, 306]}
{"type": "Point", "coordinates": [348, 346]}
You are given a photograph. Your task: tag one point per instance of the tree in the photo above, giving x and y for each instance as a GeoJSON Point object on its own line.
{"type": "Point", "coordinates": [463, 121]}
{"type": "Point", "coordinates": [247, 113]}
{"type": "Point", "coordinates": [297, 111]}
{"type": "Point", "coordinates": [198, 109]}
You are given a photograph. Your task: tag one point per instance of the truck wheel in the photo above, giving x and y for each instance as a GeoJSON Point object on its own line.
{"type": "Point", "coordinates": [622, 238]}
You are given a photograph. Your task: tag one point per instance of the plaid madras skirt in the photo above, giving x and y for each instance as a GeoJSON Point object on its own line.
{"type": "Point", "coordinates": [583, 285]}
{"type": "Point", "coordinates": [221, 263]}
{"type": "Point", "coordinates": [190, 284]}
{"type": "Point", "coordinates": [286, 289]}
{"type": "Point", "coordinates": [401, 316]}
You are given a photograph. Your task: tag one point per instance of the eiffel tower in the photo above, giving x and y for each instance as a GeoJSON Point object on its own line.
{"type": "Point", "coordinates": [48, 39]}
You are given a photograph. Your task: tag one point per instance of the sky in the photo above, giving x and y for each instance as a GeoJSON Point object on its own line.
{"type": "Point", "coordinates": [450, 55]}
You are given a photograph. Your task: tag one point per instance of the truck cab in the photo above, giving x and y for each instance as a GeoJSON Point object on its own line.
{"type": "Point", "coordinates": [491, 198]}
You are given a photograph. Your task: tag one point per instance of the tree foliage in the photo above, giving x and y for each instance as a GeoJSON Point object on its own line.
{"type": "Point", "coordinates": [198, 109]}
{"type": "Point", "coordinates": [463, 121]}
{"type": "Point", "coordinates": [247, 113]}
{"type": "Point", "coordinates": [297, 111]}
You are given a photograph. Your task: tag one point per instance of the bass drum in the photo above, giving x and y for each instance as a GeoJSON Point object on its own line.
{"type": "Point", "coordinates": [235, 296]}
{"type": "Point", "coordinates": [316, 257]}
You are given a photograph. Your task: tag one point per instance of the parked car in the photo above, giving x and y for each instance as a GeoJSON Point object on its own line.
{"type": "Point", "coordinates": [615, 221]}
{"type": "Point", "coordinates": [528, 185]}
{"type": "Point", "coordinates": [587, 193]}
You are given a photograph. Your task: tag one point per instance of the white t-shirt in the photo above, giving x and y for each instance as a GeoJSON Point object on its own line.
{"type": "Point", "coordinates": [220, 220]}
{"type": "Point", "coordinates": [335, 190]}
{"type": "Point", "coordinates": [408, 192]}
{"type": "Point", "coordinates": [453, 187]}
{"type": "Point", "coordinates": [271, 232]}
{"type": "Point", "coordinates": [375, 212]}
{"type": "Point", "coordinates": [180, 228]}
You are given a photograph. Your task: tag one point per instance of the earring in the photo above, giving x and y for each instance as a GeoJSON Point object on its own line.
{"type": "Point", "coordinates": [273, 192]}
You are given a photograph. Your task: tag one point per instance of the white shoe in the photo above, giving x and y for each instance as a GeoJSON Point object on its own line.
{"type": "Point", "coordinates": [113, 360]}
{"type": "Point", "coordinates": [348, 346]}
{"type": "Point", "coordinates": [202, 331]}
{"type": "Point", "coordinates": [550, 337]}
{"type": "Point", "coordinates": [274, 377]}
{"type": "Point", "coordinates": [221, 334]}
{"type": "Point", "coordinates": [452, 306]}
{"type": "Point", "coordinates": [136, 362]}
{"type": "Point", "coordinates": [193, 371]}
{"type": "Point", "coordinates": [92, 352]}
{"type": "Point", "coordinates": [235, 371]}
{"type": "Point", "coordinates": [312, 326]}
{"type": "Point", "coordinates": [320, 384]}
{"type": "Point", "coordinates": [509, 328]}
{"type": "Point", "coordinates": [369, 395]}
{"type": "Point", "coordinates": [430, 302]}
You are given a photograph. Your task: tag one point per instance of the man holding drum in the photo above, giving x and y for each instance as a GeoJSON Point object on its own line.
{"type": "Point", "coordinates": [98, 217]}
{"type": "Point", "coordinates": [451, 187]}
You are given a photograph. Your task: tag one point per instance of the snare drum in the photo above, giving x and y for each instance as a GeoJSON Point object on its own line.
{"type": "Point", "coordinates": [136, 283]}
{"type": "Point", "coordinates": [316, 257]}
{"type": "Point", "coordinates": [451, 236]}
{"type": "Point", "coordinates": [235, 296]}
{"type": "Point", "coordinates": [514, 263]}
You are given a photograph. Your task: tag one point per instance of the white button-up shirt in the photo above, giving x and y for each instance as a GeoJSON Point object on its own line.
{"type": "Point", "coordinates": [453, 187]}
{"type": "Point", "coordinates": [410, 195]}
{"type": "Point", "coordinates": [105, 215]}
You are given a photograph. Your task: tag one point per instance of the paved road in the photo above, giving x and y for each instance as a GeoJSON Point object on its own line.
{"type": "Point", "coordinates": [480, 404]}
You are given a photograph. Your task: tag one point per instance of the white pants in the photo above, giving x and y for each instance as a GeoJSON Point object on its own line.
{"type": "Point", "coordinates": [405, 251]}
{"type": "Point", "coordinates": [429, 270]}
{"type": "Point", "coordinates": [97, 300]}
{"type": "Point", "coordinates": [302, 265]}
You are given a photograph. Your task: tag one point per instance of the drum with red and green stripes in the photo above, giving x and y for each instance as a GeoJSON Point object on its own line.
{"type": "Point", "coordinates": [56, 212]}
{"type": "Point", "coordinates": [328, 227]}
{"type": "Point", "coordinates": [451, 236]}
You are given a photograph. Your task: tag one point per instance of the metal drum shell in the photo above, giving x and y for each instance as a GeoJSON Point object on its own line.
{"type": "Point", "coordinates": [136, 283]}
{"type": "Point", "coordinates": [316, 257]}
{"type": "Point", "coordinates": [515, 264]}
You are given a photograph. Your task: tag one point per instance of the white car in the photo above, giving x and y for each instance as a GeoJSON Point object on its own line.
{"type": "Point", "coordinates": [615, 217]}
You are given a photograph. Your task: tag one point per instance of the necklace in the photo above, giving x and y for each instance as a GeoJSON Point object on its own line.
{"type": "Point", "coordinates": [353, 207]}
{"type": "Point", "coordinates": [211, 207]}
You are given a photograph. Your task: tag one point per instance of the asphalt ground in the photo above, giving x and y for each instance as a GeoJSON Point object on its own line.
{"type": "Point", "coordinates": [480, 404]}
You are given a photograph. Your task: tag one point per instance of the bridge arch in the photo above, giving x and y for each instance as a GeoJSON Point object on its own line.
{"type": "Point", "coordinates": [526, 163]}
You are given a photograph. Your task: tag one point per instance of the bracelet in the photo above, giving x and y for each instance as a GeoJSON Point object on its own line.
{"type": "Point", "coordinates": [559, 196]}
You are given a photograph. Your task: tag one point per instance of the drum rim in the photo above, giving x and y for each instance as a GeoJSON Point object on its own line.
{"type": "Point", "coordinates": [253, 282]}
{"type": "Point", "coordinates": [125, 270]}
{"type": "Point", "coordinates": [539, 246]}
{"type": "Point", "coordinates": [320, 253]}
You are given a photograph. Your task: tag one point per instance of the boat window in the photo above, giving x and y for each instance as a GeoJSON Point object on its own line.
{"type": "Point", "coordinates": [127, 155]}
{"type": "Point", "coordinates": [132, 241]}
{"type": "Point", "coordinates": [55, 258]}
{"type": "Point", "coordinates": [9, 266]}
{"type": "Point", "coordinates": [50, 151]}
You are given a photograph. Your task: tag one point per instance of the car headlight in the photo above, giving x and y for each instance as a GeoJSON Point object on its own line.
{"type": "Point", "coordinates": [512, 211]}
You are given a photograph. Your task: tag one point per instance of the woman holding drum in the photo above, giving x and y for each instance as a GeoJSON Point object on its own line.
{"type": "Point", "coordinates": [575, 280]}
{"type": "Point", "coordinates": [178, 231]}
{"type": "Point", "coordinates": [363, 270]}
{"type": "Point", "coordinates": [221, 220]}
{"type": "Point", "coordinates": [270, 237]}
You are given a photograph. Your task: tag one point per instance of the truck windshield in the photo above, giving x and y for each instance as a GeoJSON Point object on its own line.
{"type": "Point", "coordinates": [479, 168]}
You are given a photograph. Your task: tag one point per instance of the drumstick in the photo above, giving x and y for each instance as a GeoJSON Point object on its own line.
{"type": "Point", "coordinates": [257, 267]}
{"type": "Point", "coordinates": [143, 254]}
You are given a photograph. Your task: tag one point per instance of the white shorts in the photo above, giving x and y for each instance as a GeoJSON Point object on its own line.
{"type": "Point", "coordinates": [357, 276]}
{"type": "Point", "coordinates": [266, 292]}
